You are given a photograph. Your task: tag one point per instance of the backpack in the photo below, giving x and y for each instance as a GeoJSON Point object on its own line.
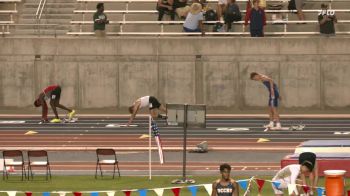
{"type": "Point", "coordinates": [291, 5]}
{"type": "Point", "coordinates": [210, 15]}
{"type": "Point", "coordinates": [233, 14]}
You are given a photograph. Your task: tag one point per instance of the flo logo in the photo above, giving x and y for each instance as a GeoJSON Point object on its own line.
{"type": "Point", "coordinates": [326, 12]}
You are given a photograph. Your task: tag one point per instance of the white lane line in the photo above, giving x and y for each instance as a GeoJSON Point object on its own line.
{"type": "Point", "coordinates": [244, 168]}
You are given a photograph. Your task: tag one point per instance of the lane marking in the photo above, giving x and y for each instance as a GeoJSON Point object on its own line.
{"type": "Point", "coordinates": [120, 125]}
{"type": "Point", "coordinates": [12, 122]}
{"type": "Point", "coordinates": [341, 133]}
{"type": "Point", "coordinates": [233, 129]}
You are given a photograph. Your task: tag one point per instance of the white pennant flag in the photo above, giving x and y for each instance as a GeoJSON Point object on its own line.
{"type": "Point", "coordinates": [159, 192]}
{"type": "Point", "coordinates": [11, 193]}
{"type": "Point", "coordinates": [292, 188]}
{"type": "Point", "coordinates": [61, 193]}
{"type": "Point", "coordinates": [209, 188]}
{"type": "Point", "coordinates": [110, 193]}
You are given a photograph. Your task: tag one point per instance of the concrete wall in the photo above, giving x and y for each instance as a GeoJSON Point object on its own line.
{"type": "Point", "coordinates": [312, 73]}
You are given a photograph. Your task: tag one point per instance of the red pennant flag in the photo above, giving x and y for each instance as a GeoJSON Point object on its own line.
{"type": "Point", "coordinates": [260, 183]}
{"type": "Point", "coordinates": [127, 193]}
{"type": "Point", "coordinates": [77, 193]}
{"type": "Point", "coordinates": [28, 194]}
{"type": "Point", "coordinates": [306, 188]}
{"type": "Point", "coordinates": [348, 192]}
{"type": "Point", "coordinates": [176, 191]}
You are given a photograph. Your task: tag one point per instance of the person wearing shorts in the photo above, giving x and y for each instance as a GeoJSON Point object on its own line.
{"type": "Point", "coordinates": [274, 97]}
{"type": "Point", "coordinates": [149, 102]}
{"type": "Point", "coordinates": [222, 6]}
{"type": "Point", "coordinates": [225, 186]}
{"type": "Point", "coordinates": [52, 93]}
{"type": "Point", "coordinates": [313, 174]}
{"type": "Point", "coordinates": [289, 175]}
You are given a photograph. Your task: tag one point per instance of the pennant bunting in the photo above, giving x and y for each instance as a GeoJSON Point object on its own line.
{"type": "Point", "coordinates": [61, 193]}
{"type": "Point", "coordinates": [306, 188]}
{"type": "Point", "coordinates": [127, 193]}
{"type": "Point", "coordinates": [276, 184]}
{"type": "Point", "coordinates": [28, 193]}
{"type": "Point", "coordinates": [193, 190]}
{"type": "Point", "coordinates": [110, 193]}
{"type": "Point", "coordinates": [176, 191]}
{"type": "Point", "coordinates": [260, 184]}
{"type": "Point", "coordinates": [77, 193]}
{"type": "Point", "coordinates": [159, 192]}
{"type": "Point", "coordinates": [243, 184]}
{"type": "Point", "coordinates": [292, 188]}
{"type": "Point", "coordinates": [46, 194]}
{"type": "Point", "coordinates": [143, 192]}
{"type": "Point", "coordinates": [11, 193]}
{"type": "Point", "coordinates": [348, 192]}
{"type": "Point", "coordinates": [320, 191]}
{"type": "Point", "coordinates": [94, 194]}
{"type": "Point", "coordinates": [208, 188]}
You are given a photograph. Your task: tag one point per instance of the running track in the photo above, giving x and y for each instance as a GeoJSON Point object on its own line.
{"type": "Point", "coordinates": [90, 132]}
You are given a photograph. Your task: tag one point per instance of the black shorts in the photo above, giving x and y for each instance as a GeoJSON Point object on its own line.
{"type": "Point", "coordinates": [56, 94]}
{"type": "Point", "coordinates": [153, 103]}
{"type": "Point", "coordinates": [307, 156]}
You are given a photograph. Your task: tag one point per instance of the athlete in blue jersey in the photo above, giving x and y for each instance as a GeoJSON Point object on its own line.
{"type": "Point", "coordinates": [225, 186]}
{"type": "Point", "coordinates": [274, 97]}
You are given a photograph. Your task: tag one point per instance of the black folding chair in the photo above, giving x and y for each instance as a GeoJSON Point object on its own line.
{"type": "Point", "coordinates": [101, 153]}
{"type": "Point", "coordinates": [43, 162]}
{"type": "Point", "coordinates": [19, 162]}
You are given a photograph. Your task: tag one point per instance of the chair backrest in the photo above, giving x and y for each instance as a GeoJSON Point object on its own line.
{"type": "Point", "coordinates": [12, 153]}
{"type": "Point", "coordinates": [37, 153]}
{"type": "Point", "coordinates": [105, 152]}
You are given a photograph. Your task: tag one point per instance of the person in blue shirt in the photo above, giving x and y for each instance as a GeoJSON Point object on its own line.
{"type": "Point", "coordinates": [257, 18]}
{"type": "Point", "coordinates": [274, 97]}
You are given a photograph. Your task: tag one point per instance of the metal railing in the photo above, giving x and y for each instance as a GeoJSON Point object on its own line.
{"type": "Point", "coordinates": [6, 31]}
{"type": "Point", "coordinates": [38, 13]}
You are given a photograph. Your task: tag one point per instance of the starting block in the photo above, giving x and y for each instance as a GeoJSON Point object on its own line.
{"type": "Point", "coordinates": [120, 125]}
{"type": "Point", "coordinates": [291, 128]}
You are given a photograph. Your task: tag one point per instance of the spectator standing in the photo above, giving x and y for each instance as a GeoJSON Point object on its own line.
{"type": "Point", "coordinates": [257, 19]}
{"type": "Point", "coordinates": [100, 21]}
{"type": "Point", "coordinates": [164, 6]}
{"type": "Point", "coordinates": [194, 19]}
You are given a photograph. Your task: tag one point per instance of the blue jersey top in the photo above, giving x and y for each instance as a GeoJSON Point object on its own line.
{"type": "Point", "coordinates": [225, 190]}
{"type": "Point", "coordinates": [275, 89]}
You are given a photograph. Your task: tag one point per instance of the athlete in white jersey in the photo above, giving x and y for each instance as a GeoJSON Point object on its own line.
{"type": "Point", "coordinates": [290, 175]}
{"type": "Point", "coordinates": [149, 102]}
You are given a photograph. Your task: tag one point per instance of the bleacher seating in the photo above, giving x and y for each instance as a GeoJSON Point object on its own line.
{"type": "Point", "coordinates": [138, 17]}
{"type": "Point", "coordinates": [7, 11]}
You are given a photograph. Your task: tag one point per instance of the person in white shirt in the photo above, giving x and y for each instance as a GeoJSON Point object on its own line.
{"type": "Point", "coordinates": [194, 19]}
{"type": "Point", "coordinates": [146, 102]}
{"type": "Point", "coordinates": [290, 175]}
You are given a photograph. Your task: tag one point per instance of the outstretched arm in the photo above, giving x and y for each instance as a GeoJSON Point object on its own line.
{"type": "Point", "coordinates": [133, 115]}
{"type": "Point", "coordinates": [213, 192]}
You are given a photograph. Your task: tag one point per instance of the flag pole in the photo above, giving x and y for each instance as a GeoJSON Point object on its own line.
{"type": "Point", "coordinates": [150, 147]}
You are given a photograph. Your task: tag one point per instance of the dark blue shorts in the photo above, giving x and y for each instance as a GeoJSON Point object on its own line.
{"type": "Point", "coordinates": [273, 102]}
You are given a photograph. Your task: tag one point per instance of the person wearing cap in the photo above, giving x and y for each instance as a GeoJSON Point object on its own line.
{"type": "Point", "coordinates": [194, 19]}
{"type": "Point", "coordinates": [52, 93]}
{"type": "Point", "coordinates": [290, 175]}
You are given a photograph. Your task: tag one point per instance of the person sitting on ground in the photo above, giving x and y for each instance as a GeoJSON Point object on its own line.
{"type": "Point", "coordinates": [225, 186]}
{"type": "Point", "coordinates": [290, 175]}
{"type": "Point", "coordinates": [53, 93]}
{"type": "Point", "coordinates": [164, 6]}
{"type": "Point", "coordinates": [181, 8]}
{"type": "Point", "coordinates": [313, 174]}
{"type": "Point", "coordinates": [100, 21]}
{"type": "Point", "coordinates": [327, 19]}
{"type": "Point", "coordinates": [149, 102]}
{"type": "Point", "coordinates": [257, 19]}
{"type": "Point", "coordinates": [194, 19]}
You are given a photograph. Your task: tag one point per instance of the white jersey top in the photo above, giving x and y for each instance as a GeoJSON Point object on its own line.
{"type": "Point", "coordinates": [290, 172]}
{"type": "Point", "coordinates": [144, 101]}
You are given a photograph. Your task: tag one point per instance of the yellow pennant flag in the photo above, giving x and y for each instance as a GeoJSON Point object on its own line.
{"type": "Point", "coordinates": [261, 140]}
{"type": "Point", "coordinates": [30, 132]}
{"type": "Point", "coordinates": [144, 136]}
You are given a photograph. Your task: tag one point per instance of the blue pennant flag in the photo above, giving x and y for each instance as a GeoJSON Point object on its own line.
{"type": "Point", "coordinates": [143, 192]}
{"type": "Point", "coordinates": [276, 184]}
{"type": "Point", "coordinates": [320, 191]}
{"type": "Point", "coordinates": [193, 190]}
{"type": "Point", "coordinates": [94, 194]}
{"type": "Point", "coordinates": [243, 184]}
{"type": "Point", "coordinates": [155, 129]}
{"type": "Point", "coordinates": [46, 194]}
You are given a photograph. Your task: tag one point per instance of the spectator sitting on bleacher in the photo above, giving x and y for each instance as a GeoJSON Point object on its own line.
{"type": "Point", "coordinates": [165, 6]}
{"type": "Point", "coordinates": [100, 21]}
{"type": "Point", "coordinates": [232, 14]}
{"type": "Point", "coordinates": [194, 19]}
{"type": "Point", "coordinates": [299, 4]}
{"type": "Point", "coordinates": [181, 8]}
{"type": "Point", "coordinates": [257, 19]}
{"type": "Point", "coordinates": [326, 20]}
{"type": "Point", "coordinates": [222, 6]}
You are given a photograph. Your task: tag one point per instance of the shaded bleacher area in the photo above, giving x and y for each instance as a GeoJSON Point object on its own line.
{"type": "Point", "coordinates": [139, 17]}
{"type": "Point", "coordinates": [8, 13]}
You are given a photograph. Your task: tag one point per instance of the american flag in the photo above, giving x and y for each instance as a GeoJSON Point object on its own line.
{"type": "Point", "coordinates": [155, 132]}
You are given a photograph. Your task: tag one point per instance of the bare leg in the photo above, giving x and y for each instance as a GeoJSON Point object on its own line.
{"type": "Point", "coordinates": [276, 115]}
{"type": "Point", "coordinates": [301, 15]}
{"type": "Point", "coordinates": [219, 11]}
{"type": "Point", "coordinates": [154, 113]}
{"type": "Point", "coordinates": [53, 104]}
{"type": "Point", "coordinates": [162, 108]}
{"type": "Point", "coordinates": [271, 113]}
{"type": "Point", "coordinates": [64, 107]}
